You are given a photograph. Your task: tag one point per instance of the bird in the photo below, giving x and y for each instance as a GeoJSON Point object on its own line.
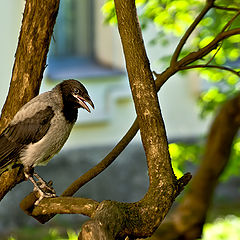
{"type": "Point", "coordinates": [39, 130]}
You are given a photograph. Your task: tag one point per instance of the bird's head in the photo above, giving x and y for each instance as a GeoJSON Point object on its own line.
{"type": "Point", "coordinates": [75, 94]}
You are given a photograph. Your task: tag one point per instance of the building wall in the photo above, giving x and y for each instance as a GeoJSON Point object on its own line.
{"type": "Point", "coordinates": [10, 21]}
{"type": "Point", "coordinates": [114, 111]}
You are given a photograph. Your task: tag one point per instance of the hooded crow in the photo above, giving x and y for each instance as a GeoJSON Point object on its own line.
{"type": "Point", "coordinates": [40, 128]}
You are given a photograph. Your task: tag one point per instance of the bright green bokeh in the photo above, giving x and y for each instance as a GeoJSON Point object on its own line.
{"type": "Point", "coordinates": [227, 228]}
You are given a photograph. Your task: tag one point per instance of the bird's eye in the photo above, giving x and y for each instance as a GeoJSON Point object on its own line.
{"type": "Point", "coordinates": [76, 91]}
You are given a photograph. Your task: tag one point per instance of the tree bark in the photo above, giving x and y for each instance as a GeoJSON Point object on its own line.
{"type": "Point", "coordinates": [30, 61]}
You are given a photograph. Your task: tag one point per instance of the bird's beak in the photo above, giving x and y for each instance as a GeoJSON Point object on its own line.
{"type": "Point", "coordinates": [82, 102]}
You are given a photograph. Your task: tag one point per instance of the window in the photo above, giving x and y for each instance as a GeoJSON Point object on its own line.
{"type": "Point", "coordinates": [72, 48]}
{"type": "Point", "coordinates": [74, 30]}
{"type": "Point", "coordinates": [72, 45]}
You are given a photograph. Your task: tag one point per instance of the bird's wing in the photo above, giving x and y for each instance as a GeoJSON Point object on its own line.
{"type": "Point", "coordinates": [16, 136]}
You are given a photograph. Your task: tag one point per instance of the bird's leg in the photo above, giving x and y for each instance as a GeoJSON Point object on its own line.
{"type": "Point", "coordinates": [36, 188]}
{"type": "Point", "coordinates": [44, 190]}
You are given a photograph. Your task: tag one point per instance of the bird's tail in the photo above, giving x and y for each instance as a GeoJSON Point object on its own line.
{"type": "Point", "coordinates": [9, 153]}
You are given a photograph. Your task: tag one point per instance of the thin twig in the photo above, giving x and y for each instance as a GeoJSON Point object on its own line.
{"type": "Point", "coordinates": [226, 8]}
{"type": "Point", "coordinates": [189, 31]}
{"type": "Point", "coordinates": [93, 172]}
{"type": "Point", "coordinates": [212, 66]}
{"type": "Point", "coordinates": [229, 23]}
{"type": "Point", "coordinates": [214, 55]}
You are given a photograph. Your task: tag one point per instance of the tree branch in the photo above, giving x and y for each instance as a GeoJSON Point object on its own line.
{"type": "Point", "coordinates": [139, 219]}
{"type": "Point", "coordinates": [208, 6]}
{"type": "Point", "coordinates": [59, 205]}
{"type": "Point", "coordinates": [229, 23]}
{"type": "Point", "coordinates": [211, 66]}
{"type": "Point", "coordinates": [27, 72]}
{"type": "Point", "coordinates": [192, 57]}
{"type": "Point", "coordinates": [93, 172]}
{"type": "Point", "coordinates": [226, 8]}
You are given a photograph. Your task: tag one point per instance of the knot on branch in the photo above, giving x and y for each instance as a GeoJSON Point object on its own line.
{"type": "Point", "coordinates": [182, 182]}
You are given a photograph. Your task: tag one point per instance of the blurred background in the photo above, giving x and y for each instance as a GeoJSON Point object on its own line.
{"type": "Point", "coordinates": [85, 48]}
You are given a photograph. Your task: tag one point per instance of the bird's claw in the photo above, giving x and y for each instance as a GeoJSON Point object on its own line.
{"type": "Point", "coordinates": [44, 191]}
{"type": "Point", "coordinates": [46, 187]}
{"type": "Point", "coordinates": [42, 188]}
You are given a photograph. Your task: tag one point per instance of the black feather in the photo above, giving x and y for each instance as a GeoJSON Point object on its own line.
{"type": "Point", "coordinates": [15, 137]}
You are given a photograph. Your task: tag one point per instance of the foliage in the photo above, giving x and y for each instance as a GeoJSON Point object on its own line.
{"type": "Point", "coordinates": [210, 99]}
{"type": "Point", "coordinates": [222, 228]}
{"type": "Point", "coordinates": [184, 154]}
{"type": "Point", "coordinates": [232, 169]}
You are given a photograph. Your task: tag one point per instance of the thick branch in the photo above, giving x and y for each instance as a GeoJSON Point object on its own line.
{"type": "Point", "coordinates": [197, 200]}
{"type": "Point", "coordinates": [145, 97]}
{"type": "Point", "coordinates": [93, 172]}
{"type": "Point", "coordinates": [59, 205]}
{"type": "Point", "coordinates": [30, 61]}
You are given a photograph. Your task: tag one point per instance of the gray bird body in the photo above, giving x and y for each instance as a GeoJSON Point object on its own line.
{"type": "Point", "coordinates": [41, 152]}
{"type": "Point", "coordinates": [41, 127]}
